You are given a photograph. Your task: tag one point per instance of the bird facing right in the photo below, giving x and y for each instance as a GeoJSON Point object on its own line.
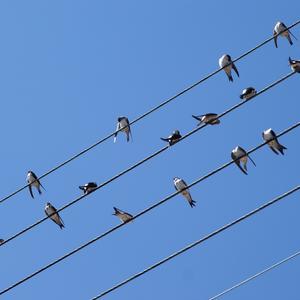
{"type": "Point", "coordinates": [180, 185]}
{"type": "Point", "coordinates": [270, 136]}
{"type": "Point", "coordinates": [226, 63]}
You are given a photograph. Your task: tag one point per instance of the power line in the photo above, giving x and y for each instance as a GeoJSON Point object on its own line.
{"type": "Point", "coordinates": [136, 216]}
{"type": "Point", "coordinates": [218, 231]}
{"type": "Point", "coordinates": [146, 114]}
{"type": "Point", "coordinates": [147, 158]}
{"type": "Point", "coordinates": [256, 275]}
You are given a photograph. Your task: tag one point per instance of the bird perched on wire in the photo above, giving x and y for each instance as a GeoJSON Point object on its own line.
{"type": "Point", "coordinates": [181, 186]}
{"type": "Point", "coordinates": [173, 138]}
{"type": "Point", "coordinates": [123, 126]}
{"type": "Point", "coordinates": [122, 215]}
{"type": "Point", "coordinates": [226, 63]}
{"type": "Point", "coordinates": [33, 180]}
{"type": "Point", "coordinates": [270, 136]}
{"type": "Point", "coordinates": [281, 30]}
{"type": "Point", "coordinates": [52, 213]}
{"type": "Point", "coordinates": [295, 65]}
{"type": "Point", "coordinates": [1, 241]}
{"type": "Point", "coordinates": [248, 93]}
{"type": "Point", "coordinates": [88, 187]}
{"type": "Point", "coordinates": [239, 155]}
{"type": "Point", "coordinates": [209, 118]}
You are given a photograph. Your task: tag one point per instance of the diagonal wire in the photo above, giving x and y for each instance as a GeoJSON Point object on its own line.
{"type": "Point", "coordinates": [200, 241]}
{"type": "Point", "coordinates": [256, 275]}
{"type": "Point", "coordinates": [147, 158]}
{"type": "Point", "coordinates": [135, 217]}
{"type": "Point", "coordinates": [146, 113]}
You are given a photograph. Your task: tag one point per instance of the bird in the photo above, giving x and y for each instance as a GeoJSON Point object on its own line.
{"type": "Point", "coordinates": [248, 93]}
{"type": "Point", "coordinates": [295, 65]}
{"type": "Point", "coordinates": [173, 138]}
{"type": "Point", "coordinates": [180, 185]}
{"type": "Point", "coordinates": [270, 136]}
{"type": "Point", "coordinates": [122, 215]}
{"type": "Point", "coordinates": [1, 241]}
{"type": "Point", "coordinates": [32, 180]}
{"type": "Point", "coordinates": [226, 63]}
{"type": "Point", "coordinates": [281, 29]}
{"type": "Point", "coordinates": [88, 187]}
{"type": "Point", "coordinates": [52, 213]}
{"type": "Point", "coordinates": [209, 118]}
{"type": "Point", "coordinates": [239, 155]}
{"type": "Point", "coordinates": [123, 126]}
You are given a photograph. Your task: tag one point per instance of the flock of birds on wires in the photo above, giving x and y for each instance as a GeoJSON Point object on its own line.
{"type": "Point", "coordinates": [238, 154]}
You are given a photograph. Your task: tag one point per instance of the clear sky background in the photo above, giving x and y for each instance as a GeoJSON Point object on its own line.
{"type": "Point", "coordinates": [68, 69]}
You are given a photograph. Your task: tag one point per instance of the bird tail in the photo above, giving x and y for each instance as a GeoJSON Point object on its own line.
{"type": "Point", "coordinates": [39, 189]}
{"type": "Point", "coordinates": [290, 40]}
{"type": "Point", "coordinates": [192, 203]}
{"type": "Point", "coordinates": [293, 36]}
{"type": "Point", "coordinates": [252, 161]}
{"type": "Point", "coordinates": [198, 118]}
{"type": "Point", "coordinates": [281, 148]}
{"type": "Point", "coordinates": [165, 139]}
{"type": "Point", "coordinates": [230, 77]}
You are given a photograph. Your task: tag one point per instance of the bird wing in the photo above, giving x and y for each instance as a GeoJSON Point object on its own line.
{"type": "Point", "coordinates": [235, 69]}
{"type": "Point", "coordinates": [252, 160]}
{"type": "Point", "coordinates": [237, 162]}
{"type": "Point", "coordinates": [275, 38]}
{"type": "Point", "coordinates": [30, 190]}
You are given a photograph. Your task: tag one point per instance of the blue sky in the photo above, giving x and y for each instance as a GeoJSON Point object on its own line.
{"type": "Point", "coordinates": [69, 69]}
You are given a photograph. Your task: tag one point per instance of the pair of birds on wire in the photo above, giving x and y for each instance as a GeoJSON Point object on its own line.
{"type": "Point", "coordinates": [280, 29]}
{"type": "Point", "coordinates": [50, 210]}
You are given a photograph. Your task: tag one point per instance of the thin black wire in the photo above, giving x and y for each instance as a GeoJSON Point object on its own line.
{"type": "Point", "coordinates": [218, 231]}
{"type": "Point", "coordinates": [135, 217]}
{"type": "Point", "coordinates": [146, 114]}
{"type": "Point", "coordinates": [256, 275]}
{"type": "Point", "coordinates": [146, 159]}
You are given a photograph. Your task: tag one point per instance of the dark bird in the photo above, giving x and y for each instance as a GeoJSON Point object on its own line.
{"type": "Point", "coordinates": [123, 126]}
{"type": "Point", "coordinates": [1, 241]}
{"type": "Point", "coordinates": [122, 215]}
{"type": "Point", "coordinates": [52, 213]}
{"type": "Point", "coordinates": [180, 185]}
{"type": "Point", "coordinates": [209, 118]}
{"type": "Point", "coordinates": [32, 180]}
{"type": "Point", "coordinates": [226, 63]}
{"type": "Point", "coordinates": [88, 187]}
{"type": "Point", "coordinates": [248, 93]}
{"type": "Point", "coordinates": [281, 30]}
{"type": "Point", "coordinates": [239, 155]}
{"type": "Point", "coordinates": [270, 136]}
{"type": "Point", "coordinates": [173, 138]}
{"type": "Point", "coordinates": [295, 65]}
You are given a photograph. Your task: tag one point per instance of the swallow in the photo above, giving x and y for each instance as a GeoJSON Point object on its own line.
{"type": "Point", "coordinates": [180, 185]}
{"type": "Point", "coordinates": [173, 138]}
{"type": "Point", "coordinates": [209, 118]}
{"type": "Point", "coordinates": [248, 93]}
{"type": "Point", "coordinates": [122, 215]}
{"type": "Point", "coordinates": [239, 155]}
{"type": "Point", "coordinates": [281, 30]}
{"type": "Point", "coordinates": [88, 187]}
{"type": "Point", "coordinates": [52, 213]}
{"type": "Point", "coordinates": [32, 180]}
{"type": "Point", "coordinates": [295, 65]}
{"type": "Point", "coordinates": [270, 136]}
{"type": "Point", "coordinates": [1, 241]}
{"type": "Point", "coordinates": [123, 126]}
{"type": "Point", "coordinates": [227, 64]}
